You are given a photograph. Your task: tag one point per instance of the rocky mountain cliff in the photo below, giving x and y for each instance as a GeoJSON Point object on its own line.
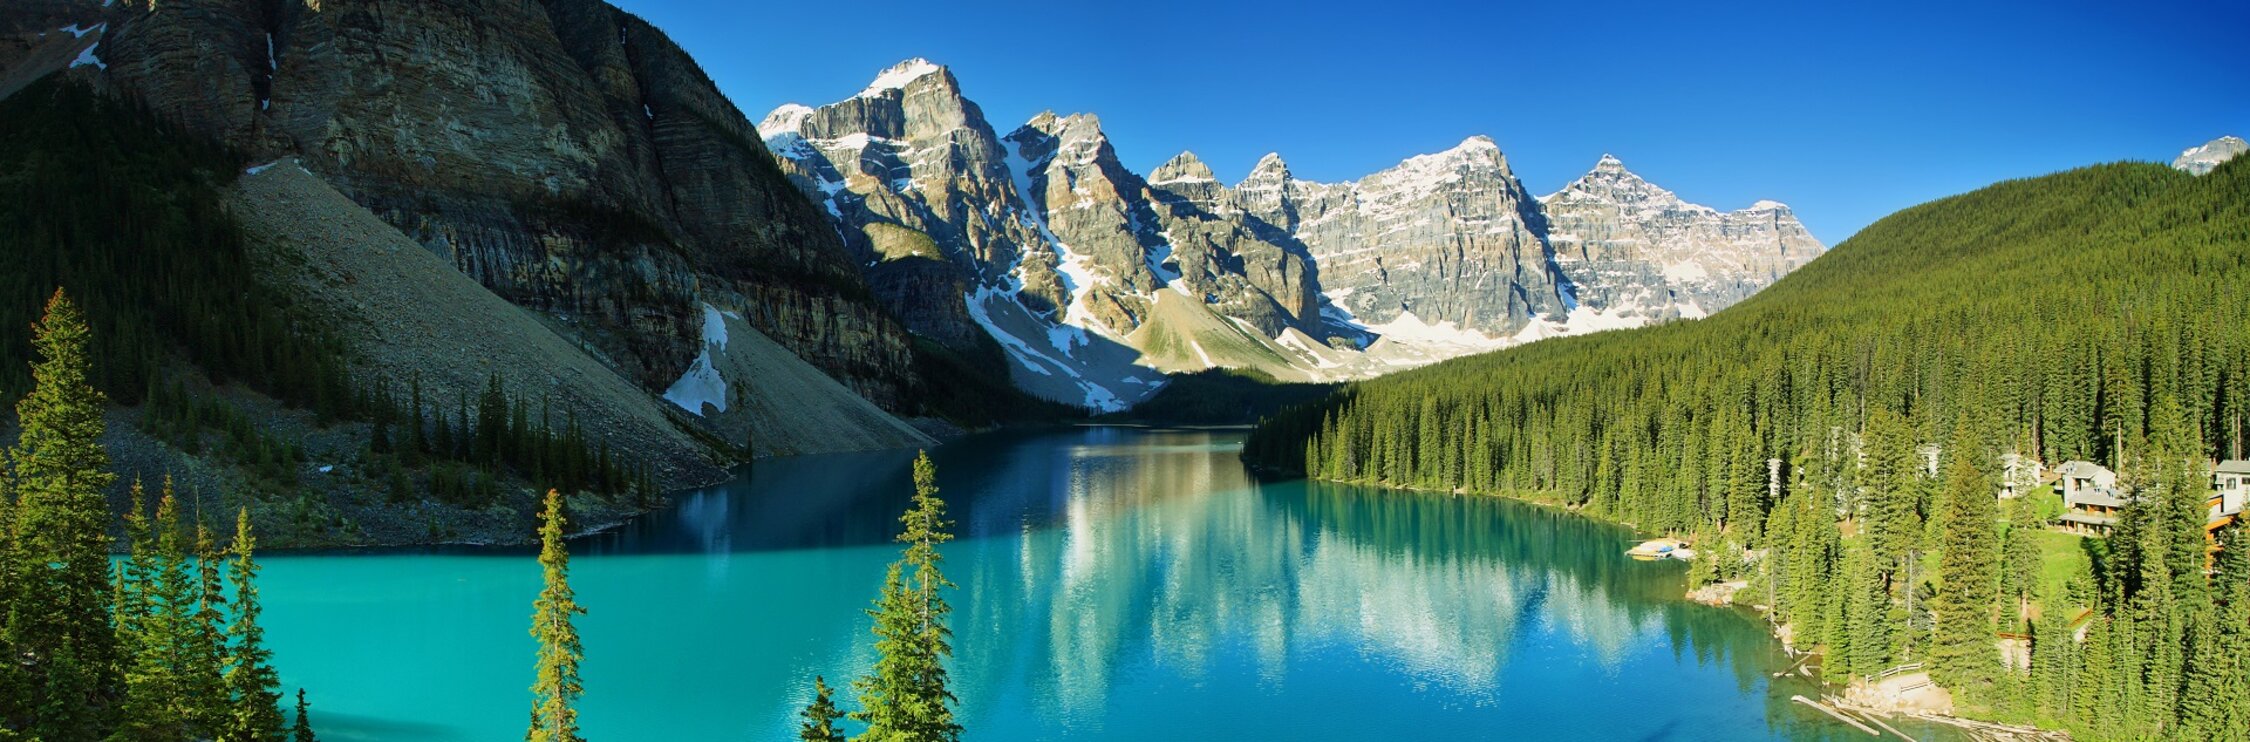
{"type": "Point", "coordinates": [1087, 275]}
{"type": "Point", "coordinates": [564, 153]}
{"type": "Point", "coordinates": [1448, 237]}
{"type": "Point", "coordinates": [1040, 240]}
{"type": "Point", "coordinates": [1634, 249]}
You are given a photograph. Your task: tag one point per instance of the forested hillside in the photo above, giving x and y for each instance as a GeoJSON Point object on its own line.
{"type": "Point", "coordinates": [125, 211]}
{"type": "Point", "coordinates": [2093, 314]}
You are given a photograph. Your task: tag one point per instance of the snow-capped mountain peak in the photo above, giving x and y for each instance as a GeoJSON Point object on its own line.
{"type": "Point", "coordinates": [898, 75]}
{"type": "Point", "coordinates": [1477, 142]}
{"type": "Point", "coordinates": [1476, 157]}
{"type": "Point", "coordinates": [2203, 158]}
{"type": "Point", "coordinates": [1093, 278]}
{"type": "Point", "coordinates": [787, 119]}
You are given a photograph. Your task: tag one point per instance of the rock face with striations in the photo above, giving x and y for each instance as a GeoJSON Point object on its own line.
{"type": "Point", "coordinates": [1251, 269]}
{"type": "Point", "coordinates": [564, 153]}
{"type": "Point", "coordinates": [1051, 247]}
{"type": "Point", "coordinates": [1084, 272]}
{"type": "Point", "coordinates": [910, 152]}
{"type": "Point", "coordinates": [1108, 259]}
{"type": "Point", "coordinates": [1450, 237]}
{"type": "Point", "coordinates": [1631, 248]}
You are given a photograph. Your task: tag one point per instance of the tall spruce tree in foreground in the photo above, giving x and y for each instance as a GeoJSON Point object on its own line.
{"type": "Point", "coordinates": [905, 698]}
{"type": "Point", "coordinates": [206, 691]}
{"type": "Point", "coordinates": [554, 712]}
{"type": "Point", "coordinates": [60, 618]}
{"type": "Point", "coordinates": [252, 685]}
{"type": "Point", "coordinates": [155, 704]}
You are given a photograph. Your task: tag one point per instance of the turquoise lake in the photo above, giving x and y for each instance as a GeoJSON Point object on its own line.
{"type": "Point", "coordinates": [1115, 584]}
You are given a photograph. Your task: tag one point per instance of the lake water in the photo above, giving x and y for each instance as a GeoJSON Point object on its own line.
{"type": "Point", "coordinates": [1115, 584]}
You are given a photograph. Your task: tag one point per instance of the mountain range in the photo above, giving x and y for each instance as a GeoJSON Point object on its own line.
{"type": "Point", "coordinates": [1092, 278]}
{"type": "Point", "coordinates": [553, 198]}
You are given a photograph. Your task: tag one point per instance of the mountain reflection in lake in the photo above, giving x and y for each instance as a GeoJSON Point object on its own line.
{"type": "Point", "coordinates": [1114, 584]}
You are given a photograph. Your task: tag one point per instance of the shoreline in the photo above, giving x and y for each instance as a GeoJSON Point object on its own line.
{"type": "Point", "coordinates": [1763, 613]}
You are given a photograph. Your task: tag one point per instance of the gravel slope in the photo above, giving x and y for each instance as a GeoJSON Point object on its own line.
{"type": "Point", "coordinates": [785, 406]}
{"type": "Point", "coordinates": [405, 311]}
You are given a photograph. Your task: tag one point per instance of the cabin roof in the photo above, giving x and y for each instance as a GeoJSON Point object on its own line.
{"type": "Point", "coordinates": [2102, 496]}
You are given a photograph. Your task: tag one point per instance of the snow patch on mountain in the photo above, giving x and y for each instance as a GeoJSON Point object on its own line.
{"type": "Point", "coordinates": [1413, 330]}
{"type": "Point", "coordinates": [88, 58]}
{"type": "Point", "coordinates": [701, 384]}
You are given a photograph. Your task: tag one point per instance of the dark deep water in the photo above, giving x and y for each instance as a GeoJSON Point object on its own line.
{"type": "Point", "coordinates": [1114, 584]}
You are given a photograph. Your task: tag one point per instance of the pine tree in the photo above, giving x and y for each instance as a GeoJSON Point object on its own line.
{"type": "Point", "coordinates": [1871, 624]}
{"type": "Point", "coordinates": [2233, 580]}
{"type": "Point", "coordinates": [63, 605]}
{"type": "Point", "coordinates": [156, 682]}
{"type": "Point", "coordinates": [2019, 569]}
{"type": "Point", "coordinates": [253, 688]}
{"type": "Point", "coordinates": [820, 716]}
{"type": "Point", "coordinates": [1745, 481]}
{"type": "Point", "coordinates": [204, 665]}
{"type": "Point", "coordinates": [1968, 571]}
{"type": "Point", "coordinates": [302, 731]}
{"type": "Point", "coordinates": [1894, 519]}
{"type": "Point", "coordinates": [554, 712]}
{"type": "Point", "coordinates": [2210, 670]}
{"type": "Point", "coordinates": [418, 437]}
{"type": "Point", "coordinates": [887, 701]}
{"type": "Point", "coordinates": [2050, 669]}
{"type": "Point", "coordinates": [906, 696]}
{"type": "Point", "coordinates": [133, 601]}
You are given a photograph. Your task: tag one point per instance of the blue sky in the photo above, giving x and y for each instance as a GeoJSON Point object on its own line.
{"type": "Point", "coordinates": [1845, 111]}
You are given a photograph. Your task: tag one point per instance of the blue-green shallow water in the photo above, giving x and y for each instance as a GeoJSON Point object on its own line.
{"type": "Point", "coordinates": [1114, 584]}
